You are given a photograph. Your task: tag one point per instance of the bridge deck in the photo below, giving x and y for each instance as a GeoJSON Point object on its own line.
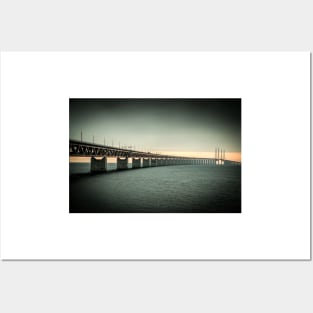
{"type": "Point", "coordinates": [86, 149]}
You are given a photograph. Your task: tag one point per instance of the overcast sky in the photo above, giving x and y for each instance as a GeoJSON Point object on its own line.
{"type": "Point", "coordinates": [159, 124]}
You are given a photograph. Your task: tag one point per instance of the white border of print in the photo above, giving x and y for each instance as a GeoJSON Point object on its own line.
{"type": "Point", "coordinates": [275, 92]}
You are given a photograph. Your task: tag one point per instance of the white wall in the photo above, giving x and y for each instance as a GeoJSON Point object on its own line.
{"type": "Point", "coordinates": [156, 286]}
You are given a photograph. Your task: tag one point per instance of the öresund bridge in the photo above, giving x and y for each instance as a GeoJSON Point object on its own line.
{"type": "Point", "coordinates": [100, 153]}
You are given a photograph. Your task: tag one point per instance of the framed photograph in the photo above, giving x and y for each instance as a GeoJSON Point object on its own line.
{"type": "Point", "coordinates": [180, 147]}
{"type": "Point", "coordinates": [104, 153]}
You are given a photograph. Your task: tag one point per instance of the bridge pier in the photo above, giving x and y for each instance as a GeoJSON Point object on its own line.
{"type": "Point", "coordinates": [154, 162]}
{"type": "Point", "coordinates": [136, 163]}
{"type": "Point", "coordinates": [146, 162]}
{"type": "Point", "coordinates": [122, 164]}
{"type": "Point", "coordinates": [98, 166]}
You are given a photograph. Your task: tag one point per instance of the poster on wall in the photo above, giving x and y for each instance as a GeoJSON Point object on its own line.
{"type": "Point", "coordinates": [155, 155]}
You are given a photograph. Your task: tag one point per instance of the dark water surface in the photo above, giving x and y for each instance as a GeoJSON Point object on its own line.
{"type": "Point", "coordinates": [168, 189]}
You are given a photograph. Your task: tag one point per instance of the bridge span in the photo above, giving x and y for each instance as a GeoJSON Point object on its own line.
{"type": "Point", "coordinates": [140, 159]}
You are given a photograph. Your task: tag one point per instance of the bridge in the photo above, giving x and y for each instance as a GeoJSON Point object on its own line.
{"type": "Point", "coordinates": [100, 153]}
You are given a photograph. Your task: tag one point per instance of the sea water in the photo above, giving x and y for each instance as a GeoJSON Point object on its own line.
{"type": "Point", "coordinates": [164, 189]}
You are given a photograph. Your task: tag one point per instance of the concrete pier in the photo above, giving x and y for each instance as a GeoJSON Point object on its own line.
{"type": "Point", "coordinates": [97, 166]}
{"type": "Point", "coordinates": [162, 162]}
{"type": "Point", "coordinates": [101, 165]}
{"type": "Point", "coordinates": [136, 162]}
{"type": "Point", "coordinates": [122, 164]}
{"type": "Point", "coordinates": [146, 162]}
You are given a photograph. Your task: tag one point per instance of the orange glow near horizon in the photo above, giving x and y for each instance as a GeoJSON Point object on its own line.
{"type": "Point", "coordinates": [233, 156]}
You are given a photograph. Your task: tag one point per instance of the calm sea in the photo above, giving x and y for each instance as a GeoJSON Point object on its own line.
{"type": "Point", "coordinates": [167, 189]}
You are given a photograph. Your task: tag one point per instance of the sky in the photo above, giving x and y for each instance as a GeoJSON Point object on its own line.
{"type": "Point", "coordinates": [190, 127]}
